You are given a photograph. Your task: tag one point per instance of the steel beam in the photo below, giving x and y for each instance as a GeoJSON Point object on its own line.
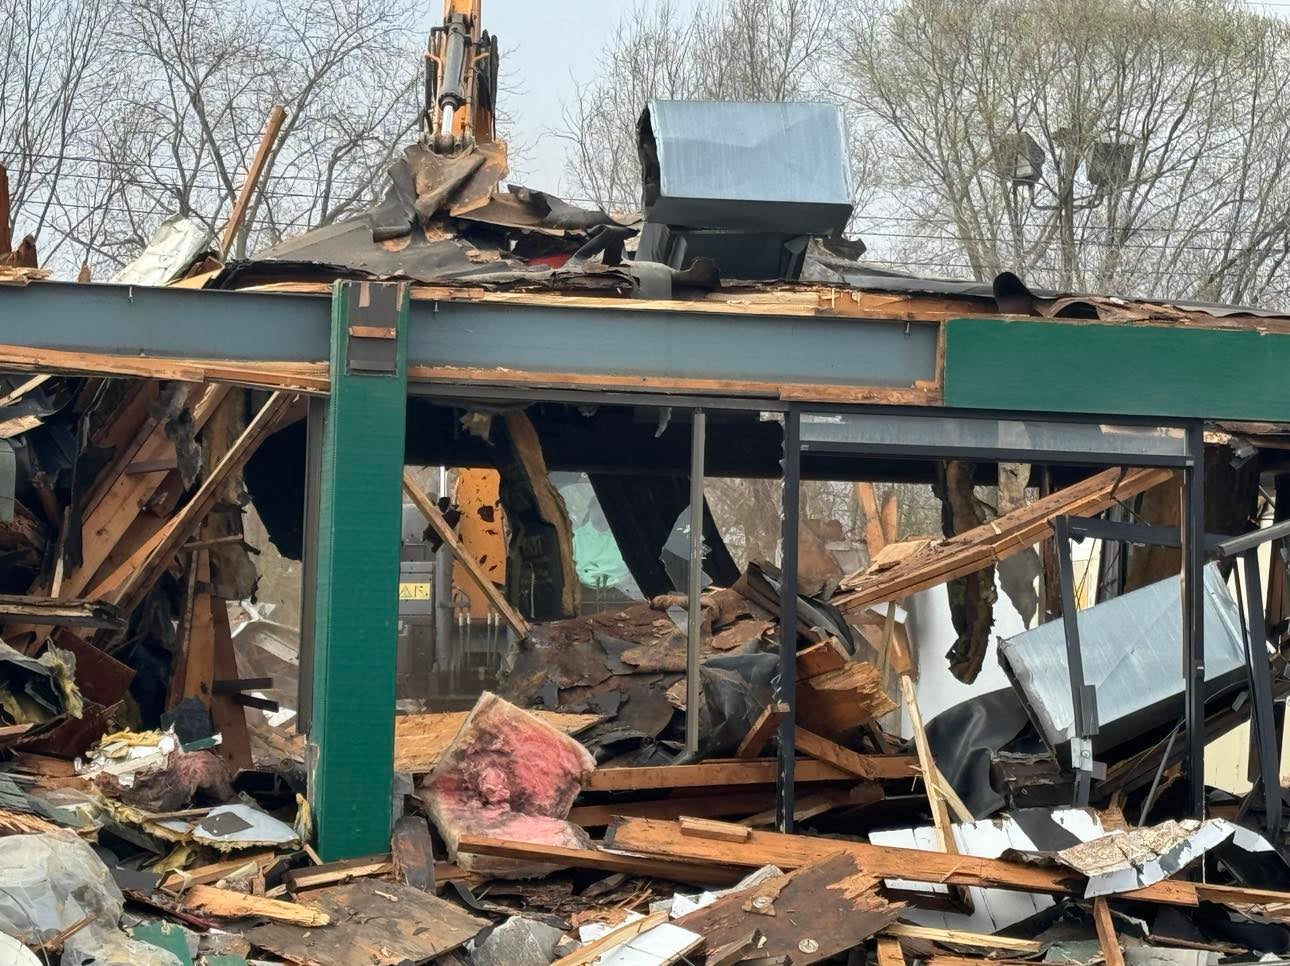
{"type": "Point", "coordinates": [1193, 617]}
{"type": "Point", "coordinates": [694, 622]}
{"type": "Point", "coordinates": [786, 682]}
{"type": "Point", "coordinates": [604, 339]}
{"type": "Point", "coordinates": [359, 522]}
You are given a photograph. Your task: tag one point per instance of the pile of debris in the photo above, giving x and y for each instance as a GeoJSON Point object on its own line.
{"type": "Point", "coordinates": [147, 852]}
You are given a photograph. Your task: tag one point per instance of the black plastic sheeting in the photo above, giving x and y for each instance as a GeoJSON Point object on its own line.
{"type": "Point", "coordinates": [641, 510]}
{"type": "Point", "coordinates": [966, 737]}
{"type": "Point", "coordinates": [735, 690]}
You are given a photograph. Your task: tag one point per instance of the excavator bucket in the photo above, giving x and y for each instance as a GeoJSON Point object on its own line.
{"type": "Point", "coordinates": [455, 184]}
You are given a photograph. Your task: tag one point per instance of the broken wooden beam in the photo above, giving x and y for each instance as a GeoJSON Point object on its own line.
{"type": "Point", "coordinates": [226, 904]}
{"type": "Point", "coordinates": [701, 872]}
{"type": "Point", "coordinates": [721, 772]}
{"type": "Point", "coordinates": [762, 730]}
{"type": "Point", "coordinates": [60, 613]}
{"type": "Point", "coordinates": [664, 840]}
{"type": "Point", "coordinates": [993, 541]}
{"type": "Point", "coordinates": [463, 556]}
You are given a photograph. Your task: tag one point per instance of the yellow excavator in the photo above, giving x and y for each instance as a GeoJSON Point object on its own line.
{"type": "Point", "coordinates": [460, 110]}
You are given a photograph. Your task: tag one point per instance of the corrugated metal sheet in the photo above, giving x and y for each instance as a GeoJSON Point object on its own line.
{"type": "Point", "coordinates": [1132, 648]}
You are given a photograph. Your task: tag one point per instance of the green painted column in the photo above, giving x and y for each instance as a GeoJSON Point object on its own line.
{"type": "Point", "coordinates": [359, 514]}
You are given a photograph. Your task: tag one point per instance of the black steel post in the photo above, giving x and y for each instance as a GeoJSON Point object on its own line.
{"type": "Point", "coordinates": [786, 682]}
{"type": "Point", "coordinates": [1083, 696]}
{"type": "Point", "coordinates": [1263, 727]}
{"type": "Point", "coordinates": [1193, 617]}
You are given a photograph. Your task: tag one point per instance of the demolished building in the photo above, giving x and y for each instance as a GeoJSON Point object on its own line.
{"type": "Point", "coordinates": [728, 332]}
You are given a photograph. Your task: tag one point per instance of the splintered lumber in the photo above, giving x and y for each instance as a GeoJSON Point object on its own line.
{"type": "Point", "coordinates": [226, 904]}
{"type": "Point", "coordinates": [734, 951]}
{"type": "Point", "coordinates": [839, 700]}
{"type": "Point", "coordinates": [664, 840]}
{"type": "Point", "coordinates": [820, 658]}
{"type": "Point", "coordinates": [330, 873]}
{"type": "Point", "coordinates": [1106, 938]}
{"type": "Point", "coordinates": [701, 872]}
{"type": "Point", "coordinates": [705, 828]}
{"type": "Point", "coordinates": [958, 937]}
{"type": "Point", "coordinates": [625, 933]}
{"type": "Point", "coordinates": [136, 576]}
{"type": "Point", "coordinates": [419, 739]}
{"type": "Point", "coordinates": [889, 952]}
{"type": "Point", "coordinates": [720, 772]}
{"type": "Point", "coordinates": [762, 730]}
{"type": "Point", "coordinates": [463, 556]}
{"type": "Point", "coordinates": [274, 124]}
{"type": "Point", "coordinates": [206, 874]}
{"type": "Point", "coordinates": [994, 540]}
{"type": "Point", "coordinates": [60, 613]}
{"type": "Point", "coordinates": [808, 915]}
{"type": "Point", "coordinates": [940, 813]}
{"type": "Point", "coordinates": [823, 749]}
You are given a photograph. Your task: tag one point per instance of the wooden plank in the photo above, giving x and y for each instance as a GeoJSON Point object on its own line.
{"type": "Point", "coordinates": [228, 712]}
{"type": "Point", "coordinates": [60, 612]}
{"type": "Point", "coordinates": [810, 914]}
{"type": "Point", "coordinates": [663, 840]}
{"type": "Point", "coordinates": [331, 873]}
{"type": "Point", "coordinates": [702, 872]}
{"type": "Point", "coordinates": [738, 949]}
{"type": "Point", "coordinates": [830, 751]}
{"type": "Point", "coordinates": [226, 904]}
{"type": "Point", "coordinates": [820, 658]}
{"type": "Point", "coordinates": [719, 772]}
{"type": "Point", "coordinates": [182, 879]}
{"type": "Point", "coordinates": [705, 828]}
{"type": "Point", "coordinates": [707, 806]}
{"type": "Point", "coordinates": [463, 556]}
{"type": "Point", "coordinates": [309, 377]}
{"type": "Point", "coordinates": [762, 730]}
{"type": "Point", "coordinates": [819, 802]}
{"type": "Point", "coordinates": [194, 671]}
{"type": "Point", "coordinates": [611, 940]}
{"type": "Point", "coordinates": [994, 540]}
{"type": "Point", "coordinates": [274, 124]}
{"type": "Point", "coordinates": [959, 937]}
{"type": "Point", "coordinates": [1106, 938]}
{"type": "Point", "coordinates": [940, 814]}
{"type": "Point", "coordinates": [889, 952]}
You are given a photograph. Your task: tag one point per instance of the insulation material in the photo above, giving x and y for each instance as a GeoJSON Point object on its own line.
{"type": "Point", "coordinates": [508, 774]}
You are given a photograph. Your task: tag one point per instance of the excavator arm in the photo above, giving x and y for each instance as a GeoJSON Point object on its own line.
{"type": "Point", "coordinates": [461, 80]}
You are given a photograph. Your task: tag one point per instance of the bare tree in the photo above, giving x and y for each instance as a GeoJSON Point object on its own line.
{"type": "Point", "coordinates": [736, 50]}
{"type": "Point", "coordinates": [205, 75]}
{"type": "Point", "coordinates": [53, 61]}
{"type": "Point", "coordinates": [1137, 145]}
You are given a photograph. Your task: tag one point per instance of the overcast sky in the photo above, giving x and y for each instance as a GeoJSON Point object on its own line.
{"type": "Point", "coordinates": [547, 47]}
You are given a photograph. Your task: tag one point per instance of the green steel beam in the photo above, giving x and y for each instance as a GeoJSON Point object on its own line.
{"type": "Point", "coordinates": [357, 553]}
{"type": "Point", "coordinates": [1168, 371]}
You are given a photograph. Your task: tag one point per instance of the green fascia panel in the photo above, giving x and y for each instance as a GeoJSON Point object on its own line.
{"type": "Point", "coordinates": [359, 521]}
{"type": "Point", "coordinates": [1130, 370]}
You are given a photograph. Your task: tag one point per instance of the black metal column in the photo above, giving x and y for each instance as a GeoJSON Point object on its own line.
{"type": "Point", "coordinates": [786, 682]}
{"type": "Point", "coordinates": [316, 417]}
{"type": "Point", "coordinates": [1083, 696]}
{"type": "Point", "coordinates": [1193, 616]}
{"type": "Point", "coordinates": [1263, 727]}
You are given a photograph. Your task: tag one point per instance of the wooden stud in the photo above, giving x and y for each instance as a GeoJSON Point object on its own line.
{"type": "Point", "coordinates": [760, 733]}
{"type": "Point", "coordinates": [706, 828]}
{"type": "Point", "coordinates": [1106, 937]}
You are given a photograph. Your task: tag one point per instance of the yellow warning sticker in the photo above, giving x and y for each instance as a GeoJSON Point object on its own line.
{"type": "Point", "coordinates": [410, 591]}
